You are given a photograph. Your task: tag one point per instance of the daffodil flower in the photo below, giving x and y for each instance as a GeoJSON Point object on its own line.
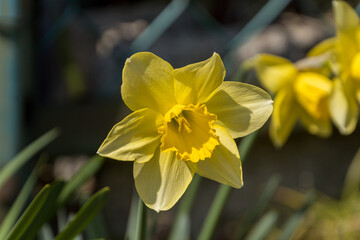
{"type": "Point", "coordinates": [344, 59]}
{"type": "Point", "coordinates": [300, 95]}
{"type": "Point", "coordinates": [183, 122]}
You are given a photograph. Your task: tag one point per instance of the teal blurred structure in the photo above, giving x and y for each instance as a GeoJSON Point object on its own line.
{"type": "Point", "coordinates": [10, 93]}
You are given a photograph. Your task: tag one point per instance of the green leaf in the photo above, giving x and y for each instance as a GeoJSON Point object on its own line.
{"type": "Point", "coordinates": [181, 227]}
{"type": "Point", "coordinates": [263, 227]}
{"type": "Point", "coordinates": [85, 215]}
{"type": "Point", "coordinates": [259, 206]}
{"type": "Point", "coordinates": [352, 178]}
{"type": "Point", "coordinates": [223, 193]}
{"type": "Point", "coordinates": [131, 223]}
{"type": "Point", "coordinates": [40, 210]}
{"type": "Point", "coordinates": [21, 158]}
{"type": "Point", "coordinates": [86, 172]}
{"type": "Point", "coordinates": [18, 205]}
{"type": "Point", "coordinates": [141, 225]}
{"type": "Point", "coordinates": [45, 232]}
{"type": "Point", "coordinates": [294, 221]}
{"type": "Point", "coordinates": [30, 214]}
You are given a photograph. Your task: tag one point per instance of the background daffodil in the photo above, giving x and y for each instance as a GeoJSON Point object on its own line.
{"type": "Point", "coordinates": [344, 60]}
{"type": "Point", "coordinates": [300, 95]}
{"type": "Point", "coordinates": [183, 122]}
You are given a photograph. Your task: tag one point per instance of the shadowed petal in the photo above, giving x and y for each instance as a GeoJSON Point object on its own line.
{"type": "Point", "coordinates": [161, 181]}
{"type": "Point", "coordinates": [285, 114]}
{"type": "Point", "coordinates": [343, 108]}
{"type": "Point", "coordinates": [241, 108]}
{"type": "Point", "coordinates": [224, 166]}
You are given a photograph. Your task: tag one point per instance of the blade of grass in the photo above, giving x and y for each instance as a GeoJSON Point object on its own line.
{"type": "Point", "coordinates": [263, 227]}
{"type": "Point", "coordinates": [352, 178]}
{"type": "Point", "coordinates": [294, 221]}
{"type": "Point", "coordinates": [21, 158]}
{"type": "Point", "coordinates": [19, 204]}
{"type": "Point", "coordinates": [159, 25]}
{"type": "Point", "coordinates": [45, 233]}
{"type": "Point", "coordinates": [30, 214]}
{"type": "Point", "coordinates": [132, 219]}
{"type": "Point", "coordinates": [85, 215]}
{"type": "Point", "coordinates": [97, 228]}
{"type": "Point", "coordinates": [86, 172]}
{"type": "Point", "coordinates": [181, 227]}
{"type": "Point", "coordinates": [223, 193]}
{"type": "Point", "coordinates": [141, 224]}
{"type": "Point", "coordinates": [259, 207]}
{"type": "Point", "coordinates": [262, 19]}
{"type": "Point", "coordinates": [37, 213]}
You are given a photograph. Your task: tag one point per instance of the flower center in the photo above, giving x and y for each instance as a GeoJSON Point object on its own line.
{"type": "Point", "coordinates": [189, 131]}
{"type": "Point", "coordinates": [312, 92]}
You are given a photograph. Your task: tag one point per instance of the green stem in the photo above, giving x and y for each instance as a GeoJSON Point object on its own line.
{"type": "Point", "coordinates": [181, 227]}
{"type": "Point", "coordinates": [141, 221]}
{"type": "Point", "coordinates": [223, 194]}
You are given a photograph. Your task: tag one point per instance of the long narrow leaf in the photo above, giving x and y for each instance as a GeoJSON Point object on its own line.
{"type": "Point", "coordinates": [37, 213]}
{"type": "Point", "coordinates": [21, 158]}
{"type": "Point", "coordinates": [131, 223]}
{"type": "Point", "coordinates": [30, 214]}
{"type": "Point", "coordinates": [223, 193]}
{"type": "Point", "coordinates": [80, 178]}
{"type": "Point", "coordinates": [352, 178]}
{"type": "Point", "coordinates": [263, 227]}
{"type": "Point", "coordinates": [141, 225]}
{"type": "Point", "coordinates": [85, 215]}
{"type": "Point", "coordinates": [18, 205]}
{"type": "Point", "coordinates": [181, 227]}
{"type": "Point", "coordinates": [259, 206]}
{"type": "Point", "coordinates": [294, 221]}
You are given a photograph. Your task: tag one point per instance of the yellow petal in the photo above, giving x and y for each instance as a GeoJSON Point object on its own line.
{"type": "Point", "coordinates": [285, 114]}
{"type": "Point", "coordinates": [312, 92]}
{"type": "Point", "coordinates": [355, 67]}
{"type": "Point", "coordinates": [147, 83]}
{"type": "Point", "coordinates": [195, 82]}
{"type": "Point", "coordinates": [323, 47]}
{"type": "Point", "coordinates": [319, 127]}
{"type": "Point", "coordinates": [224, 166]}
{"type": "Point", "coordinates": [161, 181]}
{"type": "Point", "coordinates": [343, 108]}
{"type": "Point", "coordinates": [134, 138]}
{"type": "Point", "coordinates": [347, 23]}
{"type": "Point", "coordinates": [274, 72]}
{"type": "Point", "coordinates": [345, 16]}
{"type": "Point", "coordinates": [241, 108]}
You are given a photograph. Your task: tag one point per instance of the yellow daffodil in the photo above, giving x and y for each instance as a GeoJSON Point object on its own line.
{"type": "Point", "coordinates": [300, 95]}
{"type": "Point", "coordinates": [344, 60]}
{"type": "Point", "coordinates": [183, 122]}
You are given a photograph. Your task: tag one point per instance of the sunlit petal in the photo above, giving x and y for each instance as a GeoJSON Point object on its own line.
{"type": "Point", "coordinates": [241, 108]}
{"type": "Point", "coordinates": [224, 166]}
{"type": "Point", "coordinates": [148, 83]}
{"type": "Point", "coordinates": [323, 47]}
{"type": "Point", "coordinates": [195, 82]}
{"type": "Point", "coordinates": [134, 138]}
{"type": "Point", "coordinates": [274, 72]}
{"type": "Point", "coordinates": [161, 181]}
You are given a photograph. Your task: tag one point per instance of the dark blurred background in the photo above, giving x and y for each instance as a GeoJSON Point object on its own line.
{"type": "Point", "coordinates": [61, 64]}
